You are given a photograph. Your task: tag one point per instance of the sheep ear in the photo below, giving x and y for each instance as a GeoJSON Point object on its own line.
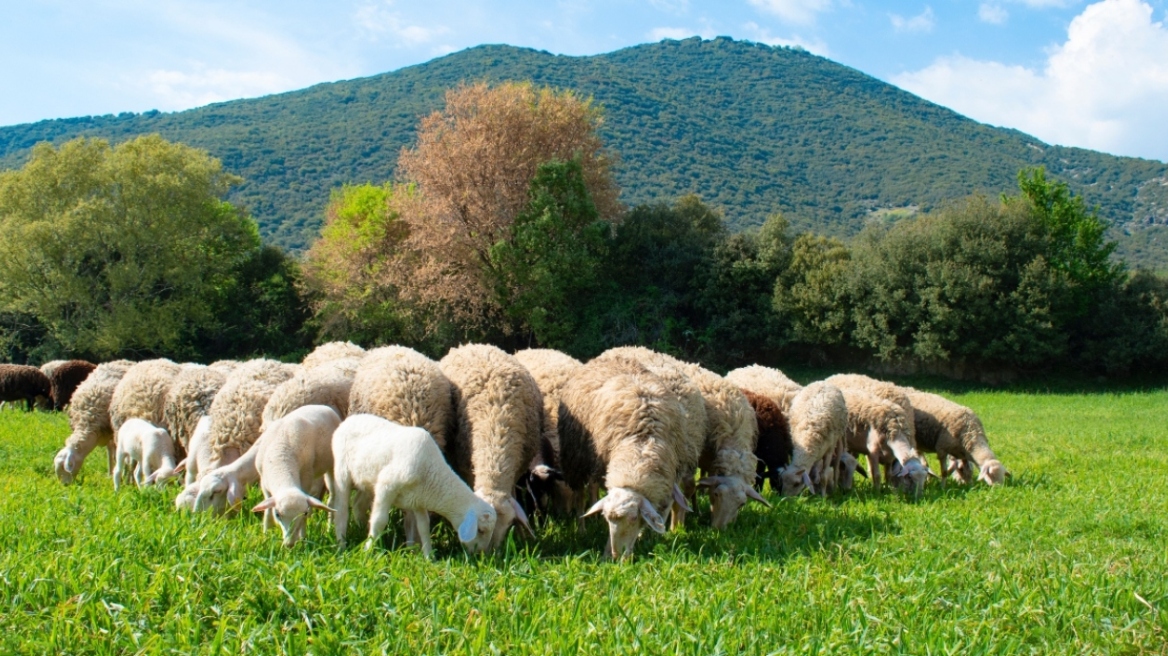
{"type": "Point", "coordinates": [652, 519]}
{"type": "Point", "coordinates": [861, 470]}
{"type": "Point", "coordinates": [234, 493]}
{"type": "Point", "coordinates": [807, 480]}
{"type": "Point", "coordinates": [985, 476]}
{"type": "Point", "coordinates": [679, 499]}
{"type": "Point", "coordinates": [313, 502]}
{"type": "Point", "coordinates": [70, 463]}
{"type": "Point", "coordinates": [932, 473]}
{"type": "Point", "coordinates": [897, 469]}
{"type": "Point", "coordinates": [543, 472]}
{"type": "Point", "coordinates": [151, 478]}
{"type": "Point", "coordinates": [753, 494]}
{"type": "Point", "coordinates": [706, 482]}
{"type": "Point", "coordinates": [521, 517]}
{"type": "Point", "coordinates": [266, 504]}
{"type": "Point", "coordinates": [181, 466]}
{"type": "Point", "coordinates": [596, 507]}
{"type": "Point", "coordinates": [469, 528]}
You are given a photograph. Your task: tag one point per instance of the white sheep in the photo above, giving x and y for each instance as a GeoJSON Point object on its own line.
{"type": "Point", "coordinates": [295, 462]}
{"type": "Point", "coordinates": [331, 351]}
{"type": "Point", "coordinates": [221, 489]}
{"type": "Point", "coordinates": [89, 418]}
{"type": "Point", "coordinates": [883, 389]}
{"type": "Point", "coordinates": [390, 465]}
{"type": "Point", "coordinates": [146, 448]}
{"type": "Point", "coordinates": [695, 421]}
{"type": "Point", "coordinates": [198, 461]}
{"type": "Point", "coordinates": [818, 419]}
{"type": "Point", "coordinates": [954, 431]}
{"type": "Point", "coordinates": [768, 382]}
{"type": "Point", "coordinates": [497, 405]}
{"type": "Point", "coordinates": [141, 393]}
{"type": "Point", "coordinates": [328, 383]}
{"type": "Point", "coordinates": [237, 410]}
{"type": "Point", "coordinates": [189, 399]}
{"type": "Point", "coordinates": [878, 430]}
{"type": "Point", "coordinates": [620, 426]}
{"type": "Point", "coordinates": [406, 387]}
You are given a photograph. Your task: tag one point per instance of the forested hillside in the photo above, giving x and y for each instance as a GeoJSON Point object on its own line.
{"type": "Point", "coordinates": [750, 128]}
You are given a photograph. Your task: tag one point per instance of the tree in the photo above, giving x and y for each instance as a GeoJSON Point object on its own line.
{"type": "Point", "coordinates": [473, 166]}
{"type": "Point", "coordinates": [119, 250]}
{"type": "Point", "coordinates": [811, 294]}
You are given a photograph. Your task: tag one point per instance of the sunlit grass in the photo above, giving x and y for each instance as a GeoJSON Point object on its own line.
{"type": "Point", "coordinates": [1070, 557]}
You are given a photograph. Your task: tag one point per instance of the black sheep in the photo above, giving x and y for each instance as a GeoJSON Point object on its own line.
{"type": "Point", "coordinates": [65, 378]}
{"type": "Point", "coordinates": [20, 382]}
{"type": "Point", "coordinates": [774, 448]}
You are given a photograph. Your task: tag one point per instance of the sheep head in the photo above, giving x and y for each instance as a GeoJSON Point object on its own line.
{"type": "Point", "coordinates": [66, 464]}
{"type": "Point", "coordinates": [290, 507]}
{"type": "Point", "coordinates": [993, 472]}
{"type": "Point", "coordinates": [911, 475]}
{"type": "Point", "coordinates": [624, 510]}
{"type": "Point", "coordinates": [477, 527]}
{"type": "Point", "coordinates": [796, 480]}
{"type": "Point", "coordinates": [218, 491]}
{"type": "Point", "coordinates": [727, 496]}
{"type": "Point", "coordinates": [849, 467]}
{"type": "Point", "coordinates": [507, 512]}
{"type": "Point", "coordinates": [186, 499]}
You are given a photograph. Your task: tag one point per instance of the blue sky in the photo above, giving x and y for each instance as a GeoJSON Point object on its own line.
{"type": "Point", "coordinates": [1068, 71]}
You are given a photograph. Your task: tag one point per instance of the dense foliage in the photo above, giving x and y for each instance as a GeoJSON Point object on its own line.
{"type": "Point", "coordinates": [130, 250]}
{"type": "Point", "coordinates": [753, 130]}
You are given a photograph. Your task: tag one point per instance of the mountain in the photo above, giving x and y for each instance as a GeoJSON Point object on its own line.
{"type": "Point", "coordinates": [750, 128]}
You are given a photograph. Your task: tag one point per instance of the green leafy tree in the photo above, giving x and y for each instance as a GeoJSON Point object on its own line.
{"type": "Point", "coordinates": [549, 267]}
{"type": "Point", "coordinates": [119, 250]}
{"type": "Point", "coordinates": [811, 294]}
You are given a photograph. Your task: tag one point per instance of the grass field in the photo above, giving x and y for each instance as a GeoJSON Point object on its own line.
{"type": "Point", "coordinates": [1069, 558]}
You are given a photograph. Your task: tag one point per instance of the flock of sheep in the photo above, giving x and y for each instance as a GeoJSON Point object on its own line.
{"type": "Point", "coordinates": [484, 439]}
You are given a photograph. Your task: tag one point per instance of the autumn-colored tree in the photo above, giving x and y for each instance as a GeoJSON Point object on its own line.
{"type": "Point", "coordinates": [473, 167]}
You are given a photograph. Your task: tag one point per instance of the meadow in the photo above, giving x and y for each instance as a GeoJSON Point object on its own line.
{"type": "Point", "coordinates": [1070, 556]}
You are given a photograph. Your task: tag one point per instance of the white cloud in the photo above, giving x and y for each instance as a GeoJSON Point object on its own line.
{"type": "Point", "coordinates": [755, 32]}
{"type": "Point", "coordinates": [922, 22]}
{"type": "Point", "coordinates": [671, 6]}
{"type": "Point", "coordinates": [1104, 88]}
{"type": "Point", "coordinates": [658, 33]}
{"type": "Point", "coordinates": [798, 12]}
{"type": "Point", "coordinates": [1045, 4]}
{"type": "Point", "coordinates": [202, 86]}
{"type": "Point", "coordinates": [378, 20]}
{"type": "Point", "coordinates": [992, 13]}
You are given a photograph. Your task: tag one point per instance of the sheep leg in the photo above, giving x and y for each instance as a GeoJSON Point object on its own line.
{"type": "Point", "coordinates": [339, 497]}
{"type": "Point", "coordinates": [117, 472]}
{"type": "Point", "coordinates": [422, 528]}
{"type": "Point", "coordinates": [874, 468]}
{"type": "Point", "coordinates": [410, 527]}
{"type": "Point", "coordinates": [379, 515]}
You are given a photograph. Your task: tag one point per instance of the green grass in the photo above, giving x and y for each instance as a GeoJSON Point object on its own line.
{"type": "Point", "coordinates": [1055, 562]}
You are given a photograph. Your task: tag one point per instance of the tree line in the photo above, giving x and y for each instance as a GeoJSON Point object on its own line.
{"type": "Point", "coordinates": [504, 225]}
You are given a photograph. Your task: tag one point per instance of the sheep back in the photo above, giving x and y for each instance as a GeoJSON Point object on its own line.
{"type": "Point", "coordinates": [326, 353]}
{"type": "Point", "coordinates": [403, 386]}
{"type": "Point", "coordinates": [883, 389]}
{"type": "Point", "coordinates": [731, 426]}
{"type": "Point", "coordinates": [89, 415]}
{"type": "Point", "coordinates": [949, 428]}
{"type": "Point", "coordinates": [64, 379]}
{"type": "Point", "coordinates": [141, 393]}
{"type": "Point", "coordinates": [551, 371]}
{"type": "Point", "coordinates": [766, 381]}
{"type": "Point", "coordinates": [237, 410]}
{"type": "Point", "coordinates": [189, 399]}
{"type": "Point", "coordinates": [497, 407]}
{"type": "Point", "coordinates": [326, 384]}
{"type": "Point", "coordinates": [818, 420]}
{"type": "Point", "coordinates": [20, 382]}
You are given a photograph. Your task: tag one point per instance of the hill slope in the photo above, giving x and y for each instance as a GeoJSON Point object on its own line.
{"type": "Point", "coordinates": [750, 128]}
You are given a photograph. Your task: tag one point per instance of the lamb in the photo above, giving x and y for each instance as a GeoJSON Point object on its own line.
{"type": "Point", "coordinates": [294, 460]}
{"type": "Point", "coordinates": [544, 482]}
{"type": "Point", "coordinates": [141, 393]}
{"type": "Point", "coordinates": [20, 382]}
{"type": "Point", "coordinates": [197, 461]}
{"type": "Point", "coordinates": [773, 448]}
{"type": "Point", "coordinates": [221, 489]}
{"type": "Point", "coordinates": [397, 466]}
{"type": "Point", "coordinates": [768, 382]}
{"type": "Point", "coordinates": [64, 377]}
{"type": "Point", "coordinates": [147, 448]}
{"type": "Point", "coordinates": [818, 417]}
{"type": "Point", "coordinates": [324, 384]}
{"type": "Point", "coordinates": [497, 405]}
{"type": "Point", "coordinates": [326, 353]}
{"type": "Point", "coordinates": [695, 419]}
{"type": "Point", "coordinates": [620, 425]}
{"type": "Point", "coordinates": [237, 410]}
{"type": "Point", "coordinates": [954, 431]}
{"type": "Point", "coordinates": [90, 420]}
{"type": "Point", "coordinates": [189, 399]}
{"type": "Point", "coordinates": [406, 387]}
{"type": "Point", "coordinates": [878, 429]}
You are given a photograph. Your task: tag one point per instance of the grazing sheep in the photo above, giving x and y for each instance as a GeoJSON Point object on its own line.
{"type": "Point", "coordinates": [64, 378]}
{"type": "Point", "coordinates": [497, 405]}
{"type": "Point", "coordinates": [389, 465]}
{"type": "Point", "coordinates": [544, 482]}
{"type": "Point", "coordinates": [695, 418]}
{"type": "Point", "coordinates": [221, 489]}
{"type": "Point", "coordinates": [878, 429]}
{"type": "Point", "coordinates": [237, 411]}
{"type": "Point", "coordinates": [621, 426]}
{"type": "Point", "coordinates": [883, 389]}
{"type": "Point", "coordinates": [848, 468]}
{"type": "Point", "coordinates": [189, 399]}
{"type": "Point", "coordinates": [197, 462]}
{"type": "Point", "coordinates": [141, 393]}
{"type": "Point", "coordinates": [225, 367]}
{"type": "Point", "coordinates": [773, 448]}
{"type": "Point", "coordinates": [954, 431]}
{"type": "Point", "coordinates": [295, 461]}
{"type": "Point", "coordinates": [768, 382]}
{"type": "Point", "coordinates": [325, 384]}
{"type": "Point", "coordinates": [403, 386]}
{"type": "Point", "coordinates": [89, 418]}
{"type": "Point", "coordinates": [727, 458]}
{"type": "Point", "coordinates": [326, 353]}
{"type": "Point", "coordinates": [20, 382]}
{"type": "Point", "coordinates": [145, 447]}
{"type": "Point", "coordinates": [818, 419]}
